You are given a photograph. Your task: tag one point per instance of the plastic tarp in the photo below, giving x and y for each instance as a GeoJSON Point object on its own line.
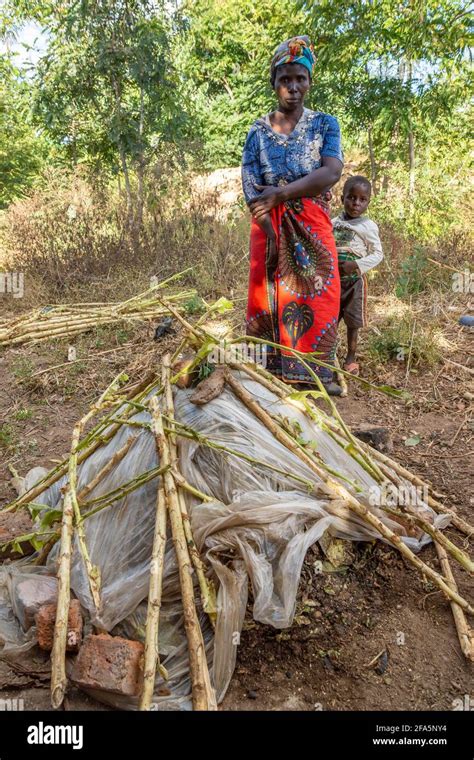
{"type": "Point", "coordinates": [257, 531]}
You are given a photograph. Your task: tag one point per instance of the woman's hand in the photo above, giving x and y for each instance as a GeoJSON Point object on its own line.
{"type": "Point", "coordinates": [265, 223]}
{"type": "Point", "coordinates": [268, 199]}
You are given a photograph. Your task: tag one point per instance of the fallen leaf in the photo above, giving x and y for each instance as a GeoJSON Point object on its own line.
{"type": "Point", "coordinates": [413, 441]}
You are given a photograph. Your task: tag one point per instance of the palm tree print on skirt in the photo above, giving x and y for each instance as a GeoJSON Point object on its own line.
{"type": "Point", "coordinates": [298, 301]}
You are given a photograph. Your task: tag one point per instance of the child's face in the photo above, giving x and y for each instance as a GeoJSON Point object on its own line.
{"type": "Point", "coordinates": [356, 200]}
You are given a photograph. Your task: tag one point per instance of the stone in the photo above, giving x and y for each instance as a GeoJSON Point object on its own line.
{"type": "Point", "coordinates": [210, 388]}
{"type": "Point", "coordinates": [29, 593]}
{"type": "Point", "coordinates": [109, 663]}
{"type": "Point", "coordinates": [377, 437]}
{"type": "Point", "coordinates": [45, 621]}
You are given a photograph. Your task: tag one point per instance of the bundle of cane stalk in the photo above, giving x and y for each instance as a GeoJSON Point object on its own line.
{"type": "Point", "coordinates": [67, 320]}
{"type": "Point", "coordinates": [154, 394]}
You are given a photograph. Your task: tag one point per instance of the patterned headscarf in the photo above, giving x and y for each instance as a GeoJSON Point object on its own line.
{"type": "Point", "coordinates": [294, 50]}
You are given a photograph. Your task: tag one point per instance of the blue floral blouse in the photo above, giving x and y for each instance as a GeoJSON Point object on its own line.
{"type": "Point", "coordinates": [270, 158]}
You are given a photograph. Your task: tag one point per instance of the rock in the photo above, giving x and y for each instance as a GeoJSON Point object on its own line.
{"type": "Point", "coordinates": [109, 663]}
{"type": "Point", "coordinates": [30, 592]}
{"type": "Point", "coordinates": [45, 620]}
{"type": "Point", "coordinates": [252, 694]}
{"type": "Point", "coordinates": [377, 437]}
{"type": "Point", "coordinates": [209, 388]}
{"type": "Point", "coordinates": [13, 525]}
{"type": "Point", "coordinates": [382, 663]}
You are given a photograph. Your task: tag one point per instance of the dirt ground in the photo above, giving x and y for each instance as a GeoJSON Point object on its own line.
{"type": "Point", "coordinates": [344, 619]}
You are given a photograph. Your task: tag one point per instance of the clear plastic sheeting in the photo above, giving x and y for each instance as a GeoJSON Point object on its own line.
{"type": "Point", "coordinates": [257, 530]}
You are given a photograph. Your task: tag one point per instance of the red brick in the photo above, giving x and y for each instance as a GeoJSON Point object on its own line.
{"type": "Point", "coordinates": [29, 593]}
{"type": "Point", "coordinates": [45, 620]}
{"type": "Point", "coordinates": [12, 525]}
{"type": "Point", "coordinates": [109, 663]}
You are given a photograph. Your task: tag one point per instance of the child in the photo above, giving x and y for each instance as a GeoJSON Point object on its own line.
{"type": "Point", "coordinates": [359, 249]}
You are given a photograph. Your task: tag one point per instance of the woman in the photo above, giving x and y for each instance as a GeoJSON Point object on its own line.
{"type": "Point", "coordinates": [291, 158]}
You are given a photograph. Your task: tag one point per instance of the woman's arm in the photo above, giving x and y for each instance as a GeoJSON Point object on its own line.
{"type": "Point", "coordinates": [313, 184]}
{"type": "Point", "coordinates": [251, 169]}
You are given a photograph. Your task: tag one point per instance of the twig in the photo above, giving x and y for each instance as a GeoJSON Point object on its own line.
{"type": "Point", "coordinates": [453, 439]}
{"type": "Point", "coordinates": [461, 366]}
{"type": "Point", "coordinates": [410, 350]}
{"type": "Point", "coordinates": [84, 359]}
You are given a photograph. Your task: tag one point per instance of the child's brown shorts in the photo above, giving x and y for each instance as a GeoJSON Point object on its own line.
{"type": "Point", "coordinates": [353, 309]}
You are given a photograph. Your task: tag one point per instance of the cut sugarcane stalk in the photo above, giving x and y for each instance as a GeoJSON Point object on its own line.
{"type": "Point", "coordinates": [58, 655]}
{"type": "Point", "coordinates": [208, 592]}
{"type": "Point", "coordinates": [465, 633]}
{"type": "Point", "coordinates": [202, 692]}
{"type": "Point", "coordinates": [340, 378]}
{"type": "Point", "coordinates": [151, 655]}
{"type": "Point", "coordinates": [341, 492]}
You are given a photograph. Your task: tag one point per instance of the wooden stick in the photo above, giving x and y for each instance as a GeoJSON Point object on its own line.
{"type": "Point", "coordinates": [96, 439]}
{"type": "Point", "coordinates": [183, 483]}
{"type": "Point", "coordinates": [436, 535]}
{"type": "Point", "coordinates": [93, 573]}
{"type": "Point", "coordinates": [453, 439]}
{"type": "Point", "coordinates": [341, 492]}
{"type": "Point", "coordinates": [386, 465]}
{"type": "Point", "coordinates": [208, 592]}
{"type": "Point", "coordinates": [465, 634]}
{"type": "Point", "coordinates": [202, 692]}
{"type": "Point", "coordinates": [444, 266]}
{"type": "Point", "coordinates": [282, 391]}
{"type": "Point", "coordinates": [58, 654]}
{"type": "Point", "coordinates": [111, 464]}
{"type": "Point", "coordinates": [152, 656]}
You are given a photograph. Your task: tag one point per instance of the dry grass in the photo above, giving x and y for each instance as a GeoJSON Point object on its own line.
{"type": "Point", "coordinates": [72, 242]}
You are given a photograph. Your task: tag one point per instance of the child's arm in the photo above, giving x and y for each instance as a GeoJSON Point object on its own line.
{"type": "Point", "coordinates": [374, 247]}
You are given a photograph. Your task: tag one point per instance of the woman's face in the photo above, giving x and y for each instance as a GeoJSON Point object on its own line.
{"type": "Point", "coordinates": [292, 82]}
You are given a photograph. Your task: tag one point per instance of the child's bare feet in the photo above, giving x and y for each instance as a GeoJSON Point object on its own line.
{"type": "Point", "coordinates": [350, 365]}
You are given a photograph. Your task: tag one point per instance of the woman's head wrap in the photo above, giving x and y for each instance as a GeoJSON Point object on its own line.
{"type": "Point", "coordinates": [294, 50]}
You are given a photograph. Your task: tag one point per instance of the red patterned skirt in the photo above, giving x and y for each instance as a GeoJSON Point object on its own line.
{"type": "Point", "coordinates": [296, 302]}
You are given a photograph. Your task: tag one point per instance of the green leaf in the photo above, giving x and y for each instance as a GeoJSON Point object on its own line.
{"type": "Point", "coordinates": [413, 441]}
{"type": "Point", "coordinates": [222, 305]}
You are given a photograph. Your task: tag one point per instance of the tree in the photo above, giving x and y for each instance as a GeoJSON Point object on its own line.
{"type": "Point", "coordinates": [23, 150]}
{"type": "Point", "coordinates": [226, 51]}
{"type": "Point", "coordinates": [407, 58]}
{"type": "Point", "coordinates": [107, 89]}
